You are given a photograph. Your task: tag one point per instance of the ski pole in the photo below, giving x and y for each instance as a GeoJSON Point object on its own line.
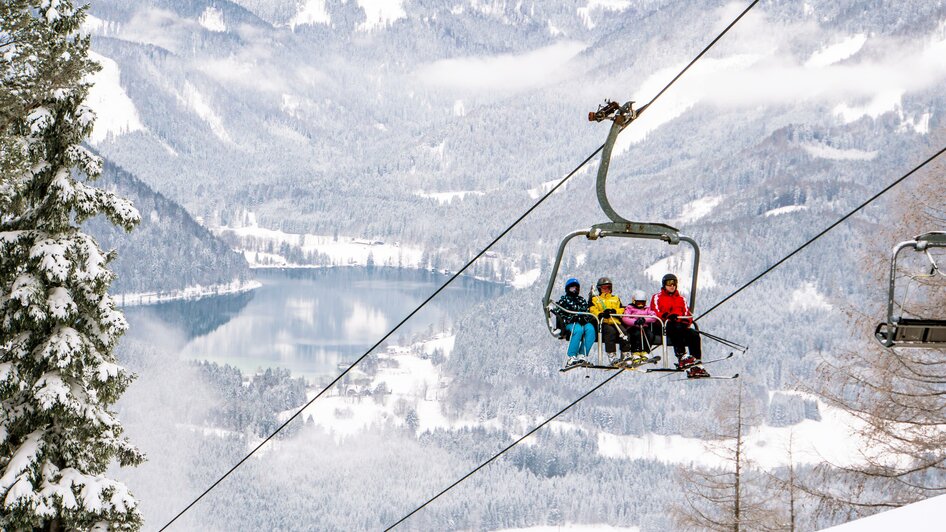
{"type": "Point", "coordinates": [728, 343]}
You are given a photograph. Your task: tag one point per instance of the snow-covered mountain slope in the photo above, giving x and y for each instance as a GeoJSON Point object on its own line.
{"type": "Point", "coordinates": [115, 112]}
{"type": "Point", "coordinates": [168, 254]}
{"type": "Point", "coordinates": [253, 113]}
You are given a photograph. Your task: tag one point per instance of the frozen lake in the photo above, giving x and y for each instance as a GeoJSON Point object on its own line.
{"type": "Point", "coordinates": [309, 320]}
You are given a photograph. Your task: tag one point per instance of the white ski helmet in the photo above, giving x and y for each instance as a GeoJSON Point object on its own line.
{"type": "Point", "coordinates": [639, 295]}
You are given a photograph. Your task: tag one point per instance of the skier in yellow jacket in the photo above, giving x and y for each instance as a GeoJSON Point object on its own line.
{"type": "Point", "coordinates": [608, 306]}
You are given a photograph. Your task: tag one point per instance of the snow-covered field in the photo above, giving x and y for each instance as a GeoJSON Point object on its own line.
{"type": "Point", "coordinates": [828, 152]}
{"type": "Point", "coordinates": [413, 389]}
{"type": "Point", "coordinates": [445, 198]}
{"type": "Point", "coordinates": [808, 298]}
{"type": "Point", "coordinates": [697, 209]}
{"type": "Point", "coordinates": [785, 210]}
{"type": "Point", "coordinates": [526, 278]}
{"type": "Point", "coordinates": [341, 250]}
{"type": "Point", "coordinates": [544, 188]}
{"type": "Point", "coordinates": [682, 263]}
{"type": "Point", "coordinates": [766, 447]}
{"type": "Point", "coordinates": [407, 381]}
{"type": "Point", "coordinates": [347, 251]}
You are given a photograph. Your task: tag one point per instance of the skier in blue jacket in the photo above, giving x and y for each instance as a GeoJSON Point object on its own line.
{"type": "Point", "coordinates": [578, 325]}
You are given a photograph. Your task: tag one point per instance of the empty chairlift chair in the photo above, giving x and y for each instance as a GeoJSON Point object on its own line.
{"type": "Point", "coordinates": [913, 332]}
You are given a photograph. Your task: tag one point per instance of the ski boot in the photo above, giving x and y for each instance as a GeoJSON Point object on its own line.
{"type": "Point", "coordinates": [636, 360]}
{"type": "Point", "coordinates": [697, 372]}
{"type": "Point", "coordinates": [614, 359]}
{"type": "Point", "coordinates": [574, 361]}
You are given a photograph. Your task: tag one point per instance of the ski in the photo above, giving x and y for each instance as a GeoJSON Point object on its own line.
{"type": "Point", "coordinates": [717, 377]}
{"type": "Point", "coordinates": [585, 364]}
{"type": "Point", "coordinates": [569, 368]}
{"type": "Point", "coordinates": [589, 365]}
{"type": "Point", "coordinates": [680, 370]}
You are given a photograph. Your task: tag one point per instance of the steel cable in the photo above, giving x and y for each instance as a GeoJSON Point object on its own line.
{"type": "Point", "coordinates": [822, 233]}
{"type": "Point", "coordinates": [451, 279]}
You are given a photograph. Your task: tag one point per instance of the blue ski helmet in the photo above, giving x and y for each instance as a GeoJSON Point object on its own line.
{"type": "Point", "coordinates": [572, 281]}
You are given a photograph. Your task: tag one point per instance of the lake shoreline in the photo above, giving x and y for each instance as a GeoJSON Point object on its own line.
{"type": "Point", "coordinates": [190, 293]}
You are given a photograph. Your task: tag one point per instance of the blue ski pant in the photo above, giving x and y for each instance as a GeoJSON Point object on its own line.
{"type": "Point", "coordinates": [583, 337]}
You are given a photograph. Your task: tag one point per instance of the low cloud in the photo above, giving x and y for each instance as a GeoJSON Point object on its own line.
{"type": "Point", "coordinates": [159, 27]}
{"type": "Point", "coordinates": [503, 73]}
{"type": "Point", "coordinates": [856, 76]}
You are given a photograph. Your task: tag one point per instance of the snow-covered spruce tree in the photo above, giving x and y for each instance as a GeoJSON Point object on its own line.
{"type": "Point", "coordinates": [58, 326]}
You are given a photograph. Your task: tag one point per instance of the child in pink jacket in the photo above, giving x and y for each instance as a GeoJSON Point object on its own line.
{"type": "Point", "coordinates": [638, 317]}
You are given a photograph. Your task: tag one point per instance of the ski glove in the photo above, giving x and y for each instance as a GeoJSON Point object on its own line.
{"type": "Point", "coordinates": [639, 321]}
{"type": "Point", "coordinates": [672, 317]}
{"type": "Point", "coordinates": [608, 312]}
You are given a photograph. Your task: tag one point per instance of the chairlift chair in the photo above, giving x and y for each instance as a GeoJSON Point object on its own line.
{"type": "Point", "coordinates": [621, 116]}
{"type": "Point", "coordinates": [912, 332]}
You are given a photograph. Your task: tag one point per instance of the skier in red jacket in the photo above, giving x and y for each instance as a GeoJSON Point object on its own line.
{"type": "Point", "coordinates": [672, 308]}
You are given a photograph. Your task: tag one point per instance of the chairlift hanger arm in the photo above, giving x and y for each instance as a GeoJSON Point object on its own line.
{"type": "Point", "coordinates": [919, 243]}
{"type": "Point", "coordinates": [620, 116]}
{"type": "Point", "coordinates": [934, 239]}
